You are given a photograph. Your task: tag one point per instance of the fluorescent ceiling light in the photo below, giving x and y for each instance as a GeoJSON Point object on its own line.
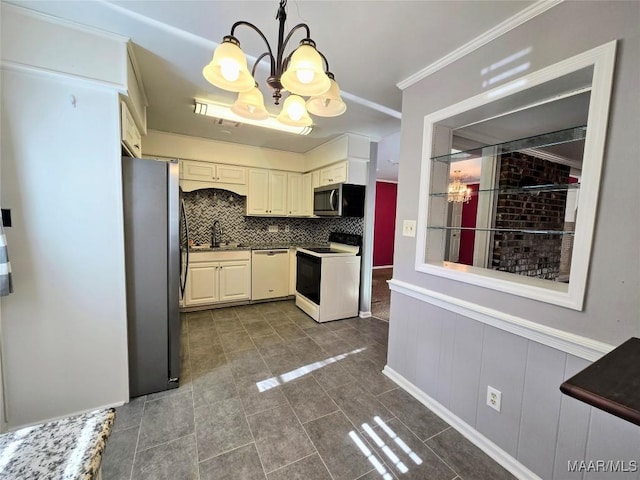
{"type": "Point", "coordinates": [223, 111]}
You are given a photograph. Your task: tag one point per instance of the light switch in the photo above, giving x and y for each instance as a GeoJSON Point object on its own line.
{"type": "Point", "coordinates": [273, 228]}
{"type": "Point", "coordinates": [409, 228]}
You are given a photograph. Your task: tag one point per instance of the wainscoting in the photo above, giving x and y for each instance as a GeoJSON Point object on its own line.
{"type": "Point", "coordinates": [447, 360]}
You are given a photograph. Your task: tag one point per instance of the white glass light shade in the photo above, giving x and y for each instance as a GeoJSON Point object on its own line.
{"type": "Point", "coordinates": [294, 112]}
{"type": "Point", "coordinates": [305, 75]}
{"type": "Point", "coordinates": [228, 69]}
{"type": "Point", "coordinates": [328, 104]}
{"type": "Point", "coordinates": [250, 104]}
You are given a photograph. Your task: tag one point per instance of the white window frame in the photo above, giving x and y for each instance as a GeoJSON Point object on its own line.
{"type": "Point", "coordinates": [569, 295]}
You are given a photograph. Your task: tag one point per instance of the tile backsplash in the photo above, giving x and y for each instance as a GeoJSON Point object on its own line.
{"type": "Point", "coordinates": [205, 206]}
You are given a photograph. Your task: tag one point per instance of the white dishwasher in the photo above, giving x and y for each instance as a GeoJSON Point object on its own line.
{"type": "Point", "coordinates": [269, 273]}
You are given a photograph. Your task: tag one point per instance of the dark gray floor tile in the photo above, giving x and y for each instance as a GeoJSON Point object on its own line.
{"type": "Point", "coordinates": [377, 354]}
{"type": "Point", "coordinates": [303, 321]}
{"type": "Point", "coordinates": [130, 414]}
{"type": "Point", "coordinates": [269, 345]}
{"type": "Point", "coordinates": [356, 338]}
{"type": "Point", "coordinates": [269, 307]}
{"type": "Point", "coordinates": [255, 317]}
{"type": "Point", "coordinates": [259, 393]}
{"type": "Point", "coordinates": [236, 341]}
{"type": "Point", "coordinates": [280, 439]}
{"type": "Point", "coordinates": [204, 339]}
{"type": "Point", "coordinates": [248, 362]}
{"type": "Point", "coordinates": [308, 399]}
{"type": "Point", "coordinates": [184, 386]}
{"type": "Point", "coordinates": [206, 360]}
{"type": "Point", "coordinates": [240, 464]}
{"type": "Point", "coordinates": [213, 387]}
{"type": "Point", "coordinates": [383, 473]}
{"type": "Point", "coordinates": [323, 336]}
{"type": "Point", "coordinates": [200, 323]}
{"type": "Point", "coordinates": [358, 404]}
{"type": "Point", "coordinates": [288, 331]}
{"type": "Point", "coordinates": [228, 325]}
{"type": "Point", "coordinates": [166, 419]}
{"type": "Point", "coordinates": [367, 373]}
{"type": "Point", "coordinates": [337, 348]}
{"type": "Point", "coordinates": [338, 325]}
{"type": "Point", "coordinates": [309, 468]}
{"type": "Point", "coordinates": [306, 349]}
{"type": "Point", "coordinates": [169, 461]}
{"type": "Point", "coordinates": [332, 375]}
{"type": "Point", "coordinates": [117, 459]}
{"type": "Point", "coordinates": [224, 313]}
{"type": "Point", "coordinates": [199, 314]}
{"type": "Point", "coordinates": [284, 364]}
{"type": "Point", "coordinates": [257, 329]}
{"type": "Point", "coordinates": [422, 421]}
{"type": "Point", "coordinates": [220, 427]}
{"type": "Point", "coordinates": [404, 453]}
{"type": "Point", "coordinates": [344, 452]}
{"type": "Point", "coordinates": [465, 458]}
{"type": "Point", "coordinates": [277, 318]}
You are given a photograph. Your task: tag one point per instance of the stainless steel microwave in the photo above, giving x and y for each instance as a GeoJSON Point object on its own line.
{"type": "Point", "coordinates": [339, 200]}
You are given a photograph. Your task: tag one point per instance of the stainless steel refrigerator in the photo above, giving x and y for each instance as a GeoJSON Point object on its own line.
{"type": "Point", "coordinates": [152, 256]}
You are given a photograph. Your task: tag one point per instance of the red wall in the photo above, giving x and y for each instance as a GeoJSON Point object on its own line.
{"type": "Point", "coordinates": [467, 237]}
{"type": "Point", "coordinates": [385, 223]}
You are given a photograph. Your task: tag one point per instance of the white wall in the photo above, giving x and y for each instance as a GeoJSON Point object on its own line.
{"type": "Point", "coordinates": [171, 145]}
{"type": "Point", "coordinates": [451, 342]}
{"type": "Point", "coordinates": [64, 337]}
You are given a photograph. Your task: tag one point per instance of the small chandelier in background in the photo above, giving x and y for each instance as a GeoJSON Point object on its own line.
{"type": "Point", "coordinates": [303, 73]}
{"type": "Point", "coordinates": [458, 190]}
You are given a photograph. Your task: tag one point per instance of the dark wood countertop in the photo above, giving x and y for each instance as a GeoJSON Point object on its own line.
{"type": "Point", "coordinates": [612, 383]}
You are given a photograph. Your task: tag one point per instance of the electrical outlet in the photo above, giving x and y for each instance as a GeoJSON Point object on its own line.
{"type": "Point", "coordinates": [494, 398]}
{"type": "Point", "coordinates": [273, 228]}
{"type": "Point", "coordinates": [409, 228]}
{"type": "Point", "coordinates": [287, 229]}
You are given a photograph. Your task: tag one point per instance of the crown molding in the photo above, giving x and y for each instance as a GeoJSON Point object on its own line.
{"type": "Point", "coordinates": [521, 17]}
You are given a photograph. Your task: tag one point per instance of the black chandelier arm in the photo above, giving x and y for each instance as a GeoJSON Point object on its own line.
{"type": "Point", "coordinates": [282, 47]}
{"type": "Point", "coordinates": [259, 32]}
{"type": "Point", "coordinates": [255, 65]}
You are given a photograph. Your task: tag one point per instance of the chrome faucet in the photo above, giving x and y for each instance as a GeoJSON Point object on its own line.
{"type": "Point", "coordinates": [216, 233]}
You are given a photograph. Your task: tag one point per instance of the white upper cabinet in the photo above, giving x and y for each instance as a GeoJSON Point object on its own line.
{"type": "Point", "coordinates": [267, 193]}
{"type": "Point", "coordinates": [336, 173]}
{"type": "Point", "coordinates": [295, 200]}
{"type": "Point", "coordinates": [307, 195]}
{"type": "Point", "coordinates": [195, 175]}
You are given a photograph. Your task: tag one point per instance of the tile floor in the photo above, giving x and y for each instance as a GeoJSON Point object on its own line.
{"type": "Point", "coordinates": [267, 393]}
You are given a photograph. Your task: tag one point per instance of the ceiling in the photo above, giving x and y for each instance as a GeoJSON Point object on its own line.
{"type": "Point", "coordinates": [371, 46]}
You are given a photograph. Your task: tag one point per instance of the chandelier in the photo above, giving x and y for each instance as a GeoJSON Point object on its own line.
{"type": "Point", "coordinates": [303, 73]}
{"type": "Point", "coordinates": [458, 190]}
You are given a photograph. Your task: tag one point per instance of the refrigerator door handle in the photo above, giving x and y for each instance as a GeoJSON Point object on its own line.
{"type": "Point", "coordinates": [183, 215]}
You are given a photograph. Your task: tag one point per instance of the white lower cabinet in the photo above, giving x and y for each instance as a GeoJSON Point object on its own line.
{"type": "Point", "coordinates": [215, 277]}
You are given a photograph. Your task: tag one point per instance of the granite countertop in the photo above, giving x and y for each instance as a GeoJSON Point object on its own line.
{"type": "Point", "coordinates": [69, 449]}
{"type": "Point", "coordinates": [256, 246]}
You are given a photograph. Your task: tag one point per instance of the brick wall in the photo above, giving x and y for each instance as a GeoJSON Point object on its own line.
{"type": "Point", "coordinates": [533, 255]}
